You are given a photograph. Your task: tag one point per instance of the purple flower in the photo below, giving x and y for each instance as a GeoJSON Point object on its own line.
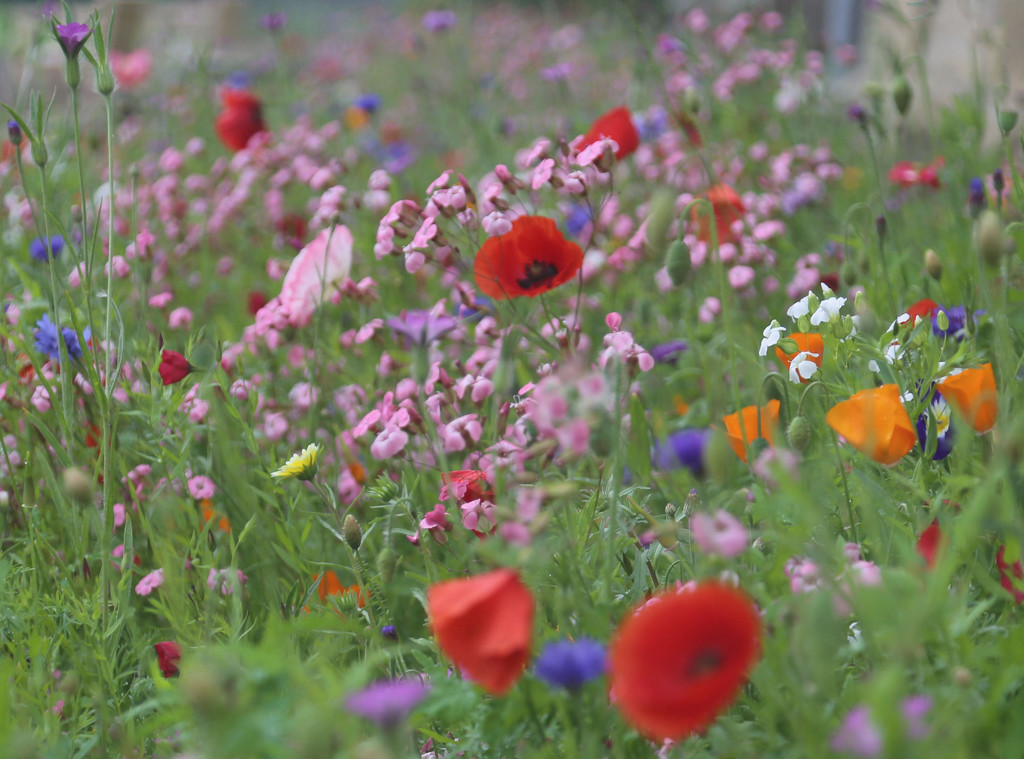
{"type": "Point", "coordinates": [569, 664]}
{"type": "Point", "coordinates": [421, 328]}
{"type": "Point", "coordinates": [274, 22]}
{"type": "Point", "coordinates": [72, 37]}
{"type": "Point", "coordinates": [857, 113]}
{"type": "Point", "coordinates": [369, 102]}
{"type": "Point", "coordinates": [39, 250]}
{"type": "Point", "coordinates": [915, 709]}
{"type": "Point", "coordinates": [683, 448]}
{"type": "Point", "coordinates": [939, 410]}
{"type": "Point", "coordinates": [46, 336]}
{"type": "Point", "coordinates": [390, 632]}
{"type": "Point", "coordinates": [557, 72]}
{"type": "Point", "coordinates": [957, 316]}
{"type": "Point", "coordinates": [388, 702]}
{"type": "Point", "coordinates": [14, 133]}
{"type": "Point", "coordinates": [667, 353]}
{"type": "Point", "coordinates": [439, 21]}
{"type": "Point", "coordinates": [858, 735]}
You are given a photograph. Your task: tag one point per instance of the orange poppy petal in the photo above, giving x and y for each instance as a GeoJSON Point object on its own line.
{"type": "Point", "coordinates": [875, 422]}
{"type": "Point", "coordinates": [973, 393]}
{"type": "Point", "coordinates": [740, 436]}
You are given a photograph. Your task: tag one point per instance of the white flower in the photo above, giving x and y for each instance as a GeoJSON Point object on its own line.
{"type": "Point", "coordinates": [828, 310]}
{"type": "Point", "coordinates": [800, 308]}
{"type": "Point", "coordinates": [892, 352]}
{"type": "Point", "coordinates": [802, 367]}
{"type": "Point", "coordinates": [771, 337]}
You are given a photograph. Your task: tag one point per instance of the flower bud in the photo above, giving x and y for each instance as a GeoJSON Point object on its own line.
{"type": "Point", "coordinates": [799, 433]}
{"type": "Point", "coordinates": [988, 237]}
{"type": "Point", "coordinates": [788, 345]}
{"type": "Point", "coordinates": [77, 484]}
{"type": "Point", "coordinates": [387, 562]}
{"type": "Point", "coordinates": [39, 154]}
{"type": "Point", "coordinates": [848, 272]}
{"type": "Point", "coordinates": [678, 263]}
{"type": "Point", "coordinates": [352, 532]}
{"type": "Point", "coordinates": [662, 210]}
{"type": "Point", "coordinates": [962, 677]}
{"type": "Point", "coordinates": [1007, 121]}
{"type": "Point", "coordinates": [942, 320]}
{"type": "Point", "coordinates": [933, 264]}
{"type": "Point", "coordinates": [105, 82]}
{"type": "Point", "coordinates": [901, 94]}
{"type": "Point", "coordinates": [881, 227]}
{"type": "Point", "coordinates": [14, 133]}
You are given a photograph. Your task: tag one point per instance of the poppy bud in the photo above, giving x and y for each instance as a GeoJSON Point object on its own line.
{"type": "Point", "coordinates": [352, 532]}
{"type": "Point", "coordinates": [168, 654]}
{"type": "Point", "coordinates": [962, 677]}
{"type": "Point", "coordinates": [988, 237]}
{"type": "Point", "coordinates": [678, 263]}
{"type": "Point", "coordinates": [848, 272]}
{"type": "Point", "coordinates": [942, 321]}
{"type": "Point", "coordinates": [173, 367]}
{"type": "Point", "coordinates": [799, 433]}
{"type": "Point", "coordinates": [105, 82]}
{"type": "Point", "coordinates": [718, 456]}
{"type": "Point", "coordinates": [77, 484]}
{"type": "Point", "coordinates": [881, 227]}
{"type": "Point", "coordinates": [1007, 121]}
{"type": "Point", "coordinates": [662, 210]}
{"type": "Point", "coordinates": [691, 101]}
{"type": "Point", "coordinates": [901, 94]}
{"type": "Point", "coordinates": [386, 565]}
{"type": "Point", "coordinates": [933, 264]}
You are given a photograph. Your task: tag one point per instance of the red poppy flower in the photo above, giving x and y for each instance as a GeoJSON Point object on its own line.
{"type": "Point", "coordinates": [467, 485]}
{"type": "Point", "coordinates": [875, 422]}
{"type": "Point", "coordinates": [168, 654]}
{"type": "Point", "coordinates": [484, 624]}
{"type": "Point", "coordinates": [756, 423]}
{"type": "Point", "coordinates": [728, 208]}
{"type": "Point", "coordinates": [617, 125]}
{"type": "Point", "coordinates": [173, 367]}
{"type": "Point", "coordinates": [908, 174]}
{"type": "Point", "coordinates": [1011, 577]}
{"type": "Point", "coordinates": [930, 543]}
{"type": "Point", "coordinates": [972, 392]}
{"type": "Point", "coordinates": [240, 118]}
{"type": "Point", "coordinates": [530, 259]}
{"type": "Point", "coordinates": [923, 309]}
{"type": "Point", "coordinates": [679, 660]}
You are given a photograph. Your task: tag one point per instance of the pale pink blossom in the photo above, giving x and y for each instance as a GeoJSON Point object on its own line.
{"type": "Point", "coordinates": [325, 260]}
{"type": "Point", "coordinates": [150, 582]}
{"type": "Point", "coordinates": [720, 534]}
{"type": "Point", "coordinates": [390, 442]}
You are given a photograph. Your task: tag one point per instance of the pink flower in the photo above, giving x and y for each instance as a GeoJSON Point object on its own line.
{"type": "Point", "coordinates": [179, 318]}
{"type": "Point", "coordinates": [436, 523]}
{"type": "Point", "coordinates": [390, 442]}
{"type": "Point", "coordinates": [150, 582]}
{"type": "Point", "coordinates": [719, 535]}
{"type": "Point", "coordinates": [324, 261]}
{"type": "Point", "coordinates": [224, 579]}
{"type": "Point", "coordinates": [740, 277]}
{"type": "Point", "coordinates": [131, 69]}
{"type": "Point", "coordinates": [479, 515]}
{"type": "Point", "coordinates": [200, 487]}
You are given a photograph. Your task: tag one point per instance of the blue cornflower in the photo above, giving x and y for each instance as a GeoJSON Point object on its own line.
{"type": "Point", "coordinates": [957, 316]}
{"type": "Point", "coordinates": [577, 220]}
{"type": "Point", "coordinates": [38, 249]}
{"type": "Point", "coordinates": [46, 339]}
{"type": "Point", "coordinates": [369, 102]}
{"type": "Point", "coordinates": [667, 353]}
{"type": "Point", "coordinates": [569, 664]}
{"type": "Point", "coordinates": [683, 448]}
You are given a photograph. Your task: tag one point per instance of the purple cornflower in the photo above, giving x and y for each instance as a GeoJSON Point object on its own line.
{"type": "Point", "coordinates": [915, 709]}
{"type": "Point", "coordinates": [559, 71]}
{"type": "Point", "coordinates": [667, 353]}
{"type": "Point", "coordinates": [390, 632]}
{"type": "Point", "coordinates": [569, 664]}
{"type": "Point", "coordinates": [387, 702]}
{"type": "Point", "coordinates": [577, 219]}
{"type": "Point", "coordinates": [857, 113]}
{"type": "Point", "coordinates": [46, 339]}
{"type": "Point", "coordinates": [439, 21]}
{"type": "Point", "coordinates": [858, 735]}
{"type": "Point", "coordinates": [39, 250]}
{"type": "Point", "coordinates": [976, 199]}
{"type": "Point", "coordinates": [957, 316]}
{"type": "Point", "coordinates": [683, 448]}
{"type": "Point", "coordinates": [421, 328]}
{"type": "Point", "coordinates": [369, 102]}
{"type": "Point", "coordinates": [72, 37]}
{"type": "Point", "coordinates": [274, 22]}
{"type": "Point", "coordinates": [14, 133]}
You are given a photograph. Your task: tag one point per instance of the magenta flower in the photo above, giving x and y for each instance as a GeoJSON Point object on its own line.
{"type": "Point", "coordinates": [436, 523]}
{"type": "Point", "coordinates": [388, 702]}
{"type": "Point", "coordinates": [719, 535]}
{"type": "Point", "coordinates": [72, 37]}
{"type": "Point", "coordinates": [150, 582]}
{"type": "Point", "coordinates": [858, 735]}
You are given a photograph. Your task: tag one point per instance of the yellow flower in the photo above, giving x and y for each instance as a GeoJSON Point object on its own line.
{"type": "Point", "coordinates": [301, 465]}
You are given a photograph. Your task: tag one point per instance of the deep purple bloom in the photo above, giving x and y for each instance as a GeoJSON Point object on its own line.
{"type": "Point", "coordinates": [14, 133]}
{"type": "Point", "coordinates": [683, 448]}
{"type": "Point", "coordinates": [569, 664]}
{"type": "Point", "coordinates": [274, 22]}
{"type": "Point", "coordinates": [46, 339]}
{"type": "Point", "coordinates": [439, 21]}
{"type": "Point", "coordinates": [421, 328]}
{"type": "Point", "coordinates": [369, 102]}
{"type": "Point", "coordinates": [957, 316]}
{"type": "Point", "coordinates": [390, 632]}
{"type": "Point", "coordinates": [41, 252]}
{"type": "Point", "coordinates": [388, 702]}
{"type": "Point", "coordinates": [976, 196]}
{"type": "Point", "coordinates": [938, 409]}
{"type": "Point", "coordinates": [998, 181]}
{"type": "Point", "coordinates": [577, 220]}
{"type": "Point", "coordinates": [857, 113]}
{"type": "Point", "coordinates": [72, 37]}
{"type": "Point", "coordinates": [481, 305]}
{"type": "Point", "coordinates": [667, 353]}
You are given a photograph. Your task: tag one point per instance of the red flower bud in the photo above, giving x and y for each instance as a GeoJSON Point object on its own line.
{"type": "Point", "coordinates": [168, 654]}
{"type": "Point", "coordinates": [174, 367]}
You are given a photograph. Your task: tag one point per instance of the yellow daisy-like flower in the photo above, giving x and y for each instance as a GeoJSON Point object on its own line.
{"type": "Point", "coordinates": [302, 465]}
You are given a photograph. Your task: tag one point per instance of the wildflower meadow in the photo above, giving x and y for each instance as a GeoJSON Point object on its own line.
{"type": "Point", "coordinates": [488, 380]}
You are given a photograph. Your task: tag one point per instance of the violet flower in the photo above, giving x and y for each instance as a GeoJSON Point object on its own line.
{"type": "Point", "coordinates": [683, 448]}
{"type": "Point", "coordinates": [72, 37]}
{"type": "Point", "coordinates": [421, 328]}
{"type": "Point", "coordinates": [274, 22]}
{"type": "Point", "coordinates": [569, 664]}
{"type": "Point", "coordinates": [388, 702]}
{"type": "Point", "coordinates": [439, 21]}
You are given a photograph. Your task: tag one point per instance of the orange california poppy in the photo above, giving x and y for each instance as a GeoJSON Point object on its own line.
{"type": "Point", "coordinates": [209, 513]}
{"type": "Point", "coordinates": [484, 624]}
{"type": "Point", "coordinates": [756, 423]}
{"type": "Point", "coordinates": [330, 585]}
{"type": "Point", "coordinates": [875, 423]}
{"type": "Point", "coordinates": [810, 343]}
{"type": "Point", "coordinates": [728, 208]}
{"type": "Point", "coordinates": [972, 392]}
{"type": "Point", "coordinates": [617, 124]}
{"type": "Point", "coordinates": [530, 259]}
{"type": "Point", "coordinates": [680, 659]}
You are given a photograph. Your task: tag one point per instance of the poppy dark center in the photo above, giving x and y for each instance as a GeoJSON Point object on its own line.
{"type": "Point", "coordinates": [536, 274]}
{"type": "Point", "coordinates": [705, 662]}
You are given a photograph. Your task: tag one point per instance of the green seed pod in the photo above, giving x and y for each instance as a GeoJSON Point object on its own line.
{"type": "Point", "coordinates": [799, 433]}
{"type": "Point", "coordinates": [933, 264]}
{"type": "Point", "coordinates": [663, 207]}
{"type": "Point", "coordinates": [352, 532]}
{"type": "Point", "coordinates": [678, 262]}
{"type": "Point", "coordinates": [902, 94]}
{"type": "Point", "coordinates": [78, 484]}
{"type": "Point", "coordinates": [1007, 121]}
